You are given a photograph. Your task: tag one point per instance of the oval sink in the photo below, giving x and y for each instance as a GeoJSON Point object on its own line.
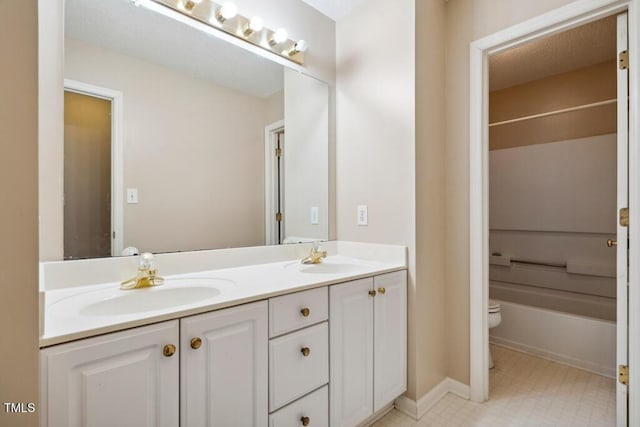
{"type": "Point", "coordinates": [149, 299]}
{"type": "Point", "coordinates": [175, 292]}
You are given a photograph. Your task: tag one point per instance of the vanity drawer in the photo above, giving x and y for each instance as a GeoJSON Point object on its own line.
{"type": "Point", "coordinates": [312, 409]}
{"type": "Point", "coordinates": [295, 311]}
{"type": "Point", "coordinates": [292, 373]}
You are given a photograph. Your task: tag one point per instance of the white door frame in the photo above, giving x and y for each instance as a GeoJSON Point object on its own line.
{"type": "Point", "coordinates": [117, 167]}
{"type": "Point", "coordinates": [622, 233]}
{"type": "Point", "coordinates": [270, 201]}
{"type": "Point", "coordinates": [564, 18]}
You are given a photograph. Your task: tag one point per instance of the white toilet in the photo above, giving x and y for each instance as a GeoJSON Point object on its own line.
{"type": "Point", "coordinates": [494, 320]}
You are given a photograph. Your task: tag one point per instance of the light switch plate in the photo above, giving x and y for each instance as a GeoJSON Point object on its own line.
{"type": "Point", "coordinates": [132, 195]}
{"type": "Point", "coordinates": [363, 215]}
{"type": "Point", "coordinates": [315, 215]}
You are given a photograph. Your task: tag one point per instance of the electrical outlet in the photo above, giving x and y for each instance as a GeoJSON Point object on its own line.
{"type": "Point", "coordinates": [132, 195]}
{"type": "Point", "coordinates": [315, 215]}
{"type": "Point", "coordinates": [363, 215]}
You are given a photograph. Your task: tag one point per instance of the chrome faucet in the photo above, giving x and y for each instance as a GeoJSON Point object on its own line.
{"type": "Point", "coordinates": [146, 276]}
{"type": "Point", "coordinates": [316, 254]}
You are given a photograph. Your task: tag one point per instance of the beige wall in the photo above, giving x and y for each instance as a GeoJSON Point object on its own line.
{"type": "Point", "coordinates": [430, 333]}
{"type": "Point", "coordinates": [19, 214]}
{"type": "Point", "coordinates": [584, 86]}
{"type": "Point", "coordinates": [50, 127]}
{"type": "Point", "coordinates": [275, 108]}
{"type": "Point", "coordinates": [183, 178]}
{"type": "Point", "coordinates": [467, 20]}
{"type": "Point", "coordinates": [375, 123]}
{"type": "Point", "coordinates": [306, 161]}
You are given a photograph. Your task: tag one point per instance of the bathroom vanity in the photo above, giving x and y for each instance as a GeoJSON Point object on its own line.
{"type": "Point", "coordinates": [279, 344]}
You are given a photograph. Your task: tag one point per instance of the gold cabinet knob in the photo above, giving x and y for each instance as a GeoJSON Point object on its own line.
{"type": "Point", "coordinates": [196, 343]}
{"type": "Point", "coordinates": [611, 243]}
{"type": "Point", "coordinates": [305, 351]}
{"type": "Point", "coordinates": [305, 312]}
{"type": "Point", "coordinates": [169, 350]}
{"type": "Point", "coordinates": [382, 291]}
{"type": "Point", "coordinates": [372, 293]}
{"type": "Point", "coordinates": [305, 421]}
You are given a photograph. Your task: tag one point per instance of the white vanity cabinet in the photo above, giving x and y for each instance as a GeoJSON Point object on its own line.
{"type": "Point", "coordinates": [127, 378]}
{"type": "Point", "coordinates": [368, 341]}
{"type": "Point", "coordinates": [332, 355]}
{"type": "Point", "coordinates": [209, 368]}
{"type": "Point", "coordinates": [223, 367]}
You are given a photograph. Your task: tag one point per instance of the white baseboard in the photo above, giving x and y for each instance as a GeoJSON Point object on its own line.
{"type": "Point", "coordinates": [416, 410]}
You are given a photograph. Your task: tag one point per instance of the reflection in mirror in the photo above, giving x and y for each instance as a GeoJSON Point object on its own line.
{"type": "Point", "coordinates": [213, 146]}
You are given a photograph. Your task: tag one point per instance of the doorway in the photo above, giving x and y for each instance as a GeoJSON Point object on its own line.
{"type": "Point", "coordinates": [552, 208]}
{"type": "Point", "coordinates": [92, 171]}
{"type": "Point", "coordinates": [87, 176]}
{"type": "Point", "coordinates": [274, 183]}
{"type": "Point", "coordinates": [576, 14]}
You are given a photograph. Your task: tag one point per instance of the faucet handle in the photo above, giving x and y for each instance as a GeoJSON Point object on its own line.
{"type": "Point", "coordinates": [146, 261]}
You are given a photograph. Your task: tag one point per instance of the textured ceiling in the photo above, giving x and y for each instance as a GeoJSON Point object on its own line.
{"type": "Point", "coordinates": [334, 9]}
{"type": "Point", "coordinates": [577, 48]}
{"type": "Point", "coordinates": [135, 31]}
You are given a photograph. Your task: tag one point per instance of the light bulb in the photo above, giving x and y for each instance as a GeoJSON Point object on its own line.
{"type": "Point", "coordinates": [190, 4]}
{"type": "Point", "coordinates": [279, 36]}
{"type": "Point", "coordinates": [301, 46]}
{"type": "Point", "coordinates": [256, 24]}
{"type": "Point", "coordinates": [226, 11]}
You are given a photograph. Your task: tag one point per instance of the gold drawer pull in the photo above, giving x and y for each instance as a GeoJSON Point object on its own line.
{"type": "Point", "coordinates": [305, 421]}
{"type": "Point", "coordinates": [169, 350]}
{"type": "Point", "coordinates": [611, 243]}
{"type": "Point", "coordinates": [305, 312]}
{"type": "Point", "coordinates": [372, 293]}
{"type": "Point", "coordinates": [196, 343]}
{"type": "Point", "coordinates": [382, 291]}
{"type": "Point", "coordinates": [305, 351]}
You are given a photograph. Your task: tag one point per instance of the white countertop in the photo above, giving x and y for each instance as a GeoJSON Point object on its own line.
{"type": "Point", "coordinates": [62, 322]}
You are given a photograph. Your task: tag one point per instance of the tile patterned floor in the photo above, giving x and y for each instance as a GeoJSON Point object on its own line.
{"type": "Point", "coordinates": [525, 391]}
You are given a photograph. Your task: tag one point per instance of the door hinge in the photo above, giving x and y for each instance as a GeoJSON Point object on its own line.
{"type": "Point", "coordinates": [278, 216]}
{"type": "Point", "coordinates": [114, 234]}
{"type": "Point", "coordinates": [623, 60]}
{"type": "Point", "coordinates": [623, 374]}
{"type": "Point", "coordinates": [278, 152]}
{"type": "Point", "coordinates": [624, 217]}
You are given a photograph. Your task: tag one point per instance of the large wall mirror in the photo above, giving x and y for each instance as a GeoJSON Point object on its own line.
{"type": "Point", "coordinates": [176, 140]}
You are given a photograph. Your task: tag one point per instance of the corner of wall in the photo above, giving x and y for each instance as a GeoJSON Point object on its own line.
{"type": "Point", "coordinates": [430, 318]}
{"type": "Point", "coordinates": [19, 325]}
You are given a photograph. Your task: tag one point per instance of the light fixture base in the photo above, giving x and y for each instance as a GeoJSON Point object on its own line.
{"type": "Point", "coordinates": [209, 14]}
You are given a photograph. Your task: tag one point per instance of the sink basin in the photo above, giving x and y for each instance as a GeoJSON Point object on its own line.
{"type": "Point", "coordinates": [149, 299]}
{"type": "Point", "coordinates": [175, 292]}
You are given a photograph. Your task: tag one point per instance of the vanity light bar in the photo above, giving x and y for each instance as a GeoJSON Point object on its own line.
{"type": "Point", "coordinates": [224, 17]}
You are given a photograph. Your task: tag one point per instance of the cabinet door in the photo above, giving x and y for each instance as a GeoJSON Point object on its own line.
{"type": "Point", "coordinates": [390, 348]}
{"type": "Point", "coordinates": [119, 379]}
{"type": "Point", "coordinates": [224, 380]}
{"type": "Point", "coordinates": [351, 352]}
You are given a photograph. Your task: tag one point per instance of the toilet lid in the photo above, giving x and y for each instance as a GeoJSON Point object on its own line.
{"type": "Point", "coordinates": [494, 306]}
